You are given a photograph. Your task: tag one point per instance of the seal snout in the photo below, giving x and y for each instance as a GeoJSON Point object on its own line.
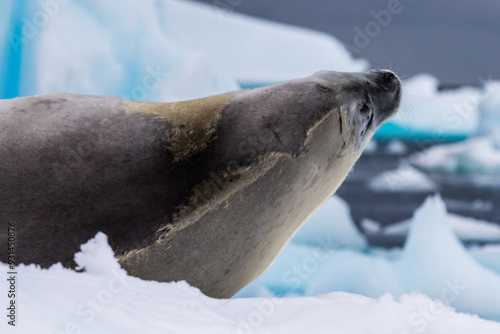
{"type": "Point", "coordinates": [386, 79]}
{"type": "Point", "coordinates": [389, 93]}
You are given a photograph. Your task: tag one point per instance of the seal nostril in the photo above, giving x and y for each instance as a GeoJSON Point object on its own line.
{"type": "Point", "coordinates": [389, 77]}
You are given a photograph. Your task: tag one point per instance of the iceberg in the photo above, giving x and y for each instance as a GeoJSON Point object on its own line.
{"type": "Point", "coordinates": [404, 179]}
{"type": "Point", "coordinates": [432, 261]}
{"type": "Point", "coordinates": [476, 159]}
{"type": "Point", "coordinates": [153, 51]}
{"type": "Point", "coordinates": [466, 229]}
{"type": "Point", "coordinates": [489, 109]}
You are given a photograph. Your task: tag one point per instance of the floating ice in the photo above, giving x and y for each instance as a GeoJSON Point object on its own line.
{"type": "Point", "coordinates": [489, 108]}
{"type": "Point", "coordinates": [333, 221]}
{"type": "Point", "coordinates": [475, 160]}
{"type": "Point", "coordinates": [403, 179]}
{"type": "Point", "coordinates": [433, 261]}
{"type": "Point", "coordinates": [465, 228]}
{"type": "Point", "coordinates": [396, 147]}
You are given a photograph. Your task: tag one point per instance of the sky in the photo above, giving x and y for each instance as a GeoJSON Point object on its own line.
{"type": "Point", "coordinates": [456, 40]}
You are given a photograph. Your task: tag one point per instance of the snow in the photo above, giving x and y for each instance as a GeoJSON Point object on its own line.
{"type": "Point", "coordinates": [404, 179]}
{"type": "Point", "coordinates": [103, 299]}
{"type": "Point", "coordinates": [154, 51]}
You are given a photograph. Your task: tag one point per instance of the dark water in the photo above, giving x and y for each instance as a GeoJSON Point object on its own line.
{"type": "Point", "coordinates": [388, 207]}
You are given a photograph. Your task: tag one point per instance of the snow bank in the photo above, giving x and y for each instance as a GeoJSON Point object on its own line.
{"type": "Point", "coordinates": [154, 50]}
{"type": "Point", "coordinates": [106, 300]}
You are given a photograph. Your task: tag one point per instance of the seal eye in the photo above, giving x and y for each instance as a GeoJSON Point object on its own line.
{"type": "Point", "coordinates": [323, 88]}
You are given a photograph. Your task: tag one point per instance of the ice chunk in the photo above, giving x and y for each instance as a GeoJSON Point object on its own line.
{"type": "Point", "coordinates": [435, 263]}
{"type": "Point", "coordinates": [155, 51]}
{"type": "Point", "coordinates": [488, 255]}
{"type": "Point", "coordinates": [348, 271]}
{"type": "Point", "coordinates": [475, 160]}
{"type": "Point", "coordinates": [370, 226]}
{"type": "Point", "coordinates": [396, 147]}
{"type": "Point", "coordinates": [489, 108]}
{"type": "Point", "coordinates": [465, 228]}
{"type": "Point", "coordinates": [332, 221]}
{"type": "Point", "coordinates": [405, 178]}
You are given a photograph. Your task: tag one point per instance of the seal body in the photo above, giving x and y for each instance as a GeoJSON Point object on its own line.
{"type": "Point", "coordinates": [208, 191]}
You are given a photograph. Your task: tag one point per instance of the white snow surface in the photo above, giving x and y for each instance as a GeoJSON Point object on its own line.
{"type": "Point", "coordinates": [104, 299]}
